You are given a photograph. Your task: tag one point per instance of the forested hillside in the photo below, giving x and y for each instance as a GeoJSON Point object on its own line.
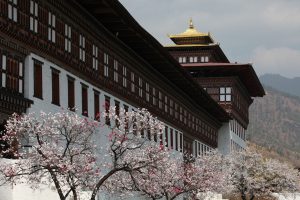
{"type": "Point", "coordinates": [275, 124]}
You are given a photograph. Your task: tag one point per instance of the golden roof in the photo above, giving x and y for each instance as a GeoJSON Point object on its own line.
{"type": "Point", "coordinates": [190, 32]}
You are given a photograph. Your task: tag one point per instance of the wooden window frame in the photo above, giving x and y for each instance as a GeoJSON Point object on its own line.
{"type": "Point", "coordinates": [55, 86]}
{"type": "Point", "coordinates": [71, 93]}
{"type": "Point", "coordinates": [124, 77]}
{"type": "Point", "coordinates": [106, 64]}
{"type": "Point", "coordinates": [84, 100]}
{"type": "Point", "coordinates": [96, 105]}
{"type": "Point", "coordinates": [68, 38]}
{"type": "Point", "coordinates": [82, 48]}
{"type": "Point", "coordinates": [12, 10]}
{"type": "Point", "coordinates": [95, 57]}
{"type": "Point", "coordinates": [107, 106]}
{"type": "Point", "coordinates": [116, 69]}
{"type": "Point", "coordinates": [33, 16]}
{"type": "Point", "coordinates": [37, 79]}
{"type": "Point", "coordinates": [225, 94]}
{"type": "Point", "coordinates": [51, 27]}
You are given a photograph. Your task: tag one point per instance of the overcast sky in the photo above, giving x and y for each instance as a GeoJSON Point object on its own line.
{"type": "Point", "coordinates": [263, 32]}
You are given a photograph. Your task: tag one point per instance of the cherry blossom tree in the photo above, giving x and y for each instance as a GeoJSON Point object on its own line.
{"type": "Point", "coordinates": [61, 149]}
{"type": "Point", "coordinates": [254, 176]}
{"type": "Point", "coordinates": [177, 177]}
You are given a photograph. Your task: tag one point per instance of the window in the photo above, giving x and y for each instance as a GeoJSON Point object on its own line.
{"type": "Point", "coordinates": [166, 135]}
{"type": "Point", "coordinates": [13, 10]}
{"type": "Point", "coordinates": [82, 48]}
{"type": "Point", "coordinates": [51, 27]}
{"type": "Point", "coordinates": [71, 93]}
{"type": "Point", "coordinates": [171, 138]}
{"type": "Point", "coordinates": [206, 59]}
{"type": "Point", "coordinates": [193, 59]}
{"type": "Point", "coordinates": [68, 38]}
{"type": "Point", "coordinates": [159, 100]}
{"type": "Point", "coordinates": [117, 110]}
{"type": "Point", "coordinates": [202, 59]}
{"type": "Point", "coordinates": [171, 107]}
{"type": "Point", "coordinates": [166, 104]}
{"type": "Point", "coordinates": [180, 114]}
{"type": "Point", "coordinates": [181, 141]}
{"type": "Point", "coordinates": [105, 64]}
{"type": "Point", "coordinates": [154, 96]}
{"type": "Point", "coordinates": [225, 94]}
{"type": "Point", "coordinates": [124, 77]}
{"type": "Point", "coordinates": [96, 105]}
{"type": "Point", "coordinates": [183, 59]}
{"type": "Point", "coordinates": [12, 73]}
{"type": "Point", "coordinates": [38, 79]}
{"type": "Point", "coordinates": [147, 92]}
{"type": "Point", "coordinates": [132, 82]}
{"type": "Point", "coordinates": [84, 99]}
{"type": "Point", "coordinates": [116, 68]}
{"type": "Point", "coordinates": [176, 140]}
{"type": "Point", "coordinates": [55, 86]}
{"type": "Point", "coordinates": [33, 16]}
{"type": "Point", "coordinates": [95, 57]}
{"type": "Point", "coordinates": [141, 87]}
{"type": "Point", "coordinates": [107, 105]}
{"type": "Point", "coordinates": [176, 111]}
{"type": "Point", "coordinates": [180, 59]}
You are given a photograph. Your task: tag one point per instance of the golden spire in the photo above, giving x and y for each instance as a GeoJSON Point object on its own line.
{"type": "Point", "coordinates": [191, 24]}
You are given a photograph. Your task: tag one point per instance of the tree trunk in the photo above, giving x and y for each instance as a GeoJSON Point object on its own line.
{"type": "Point", "coordinates": [101, 181]}
{"type": "Point", "coordinates": [252, 195]}
{"type": "Point", "coordinates": [57, 185]}
{"type": "Point", "coordinates": [243, 195]}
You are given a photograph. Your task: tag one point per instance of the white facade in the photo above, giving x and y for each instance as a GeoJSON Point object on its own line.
{"type": "Point", "coordinates": [19, 191]}
{"type": "Point", "coordinates": [231, 137]}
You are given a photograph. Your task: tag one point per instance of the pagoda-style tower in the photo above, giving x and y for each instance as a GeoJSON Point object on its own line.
{"type": "Point", "coordinates": [232, 85]}
{"type": "Point", "coordinates": [193, 46]}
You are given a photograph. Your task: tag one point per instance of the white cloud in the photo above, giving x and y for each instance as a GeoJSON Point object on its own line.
{"type": "Point", "coordinates": [283, 60]}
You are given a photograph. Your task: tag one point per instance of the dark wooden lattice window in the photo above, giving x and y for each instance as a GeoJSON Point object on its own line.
{"type": "Point", "coordinates": [38, 79]}
{"type": "Point", "coordinates": [51, 27]}
{"type": "Point", "coordinates": [166, 136]}
{"type": "Point", "coordinates": [176, 140]}
{"type": "Point", "coordinates": [68, 38]}
{"type": "Point", "coordinates": [96, 105]}
{"type": "Point", "coordinates": [13, 10]}
{"type": "Point", "coordinates": [55, 86]}
{"type": "Point", "coordinates": [12, 75]}
{"type": "Point", "coordinates": [171, 138]}
{"type": "Point", "coordinates": [71, 93]}
{"type": "Point", "coordinates": [107, 106]}
{"type": "Point", "coordinates": [84, 101]}
{"type": "Point", "coordinates": [33, 16]}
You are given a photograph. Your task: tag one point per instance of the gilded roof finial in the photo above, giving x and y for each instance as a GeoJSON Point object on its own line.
{"type": "Point", "coordinates": [191, 24]}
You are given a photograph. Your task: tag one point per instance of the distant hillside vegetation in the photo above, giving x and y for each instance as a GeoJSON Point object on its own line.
{"type": "Point", "coordinates": [275, 123]}
{"type": "Point", "coordinates": [283, 84]}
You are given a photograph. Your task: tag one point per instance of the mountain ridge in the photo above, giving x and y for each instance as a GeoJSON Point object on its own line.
{"type": "Point", "coordinates": [275, 123]}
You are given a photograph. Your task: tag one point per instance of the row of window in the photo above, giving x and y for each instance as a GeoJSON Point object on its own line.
{"type": "Point", "coordinates": [11, 73]}
{"type": "Point", "coordinates": [155, 96]}
{"type": "Point", "coordinates": [193, 59]}
{"type": "Point", "coordinates": [112, 69]}
{"type": "Point", "coordinates": [236, 128]}
{"type": "Point", "coordinates": [172, 138]}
